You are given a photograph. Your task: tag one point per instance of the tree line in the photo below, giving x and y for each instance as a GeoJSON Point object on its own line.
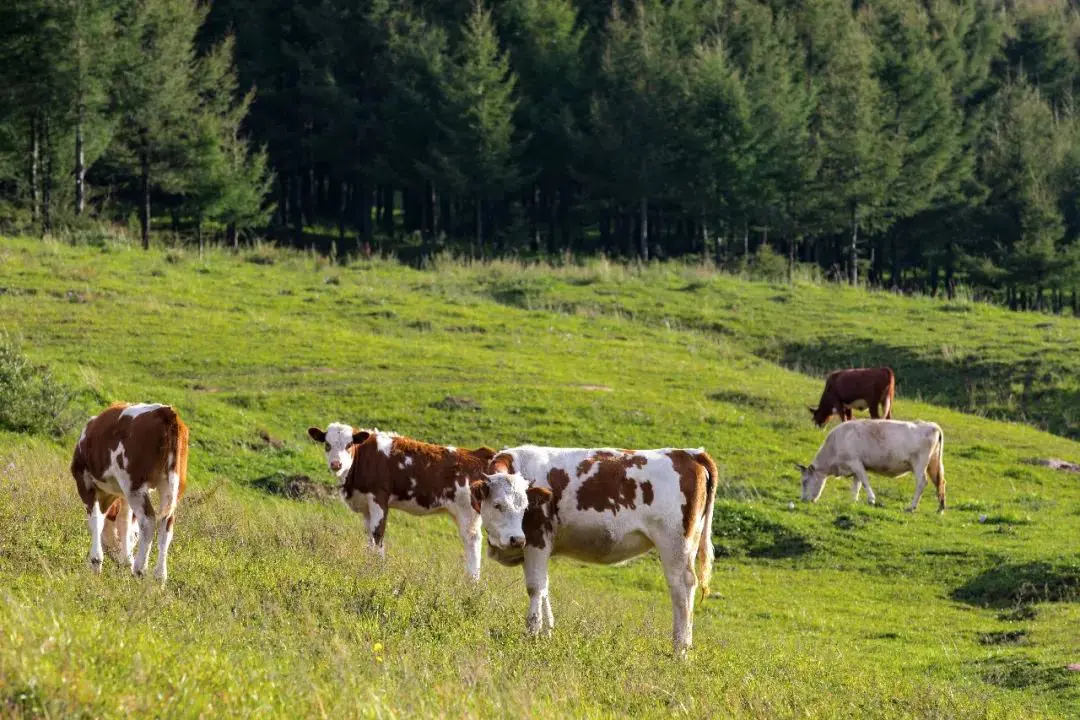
{"type": "Point", "coordinates": [905, 143]}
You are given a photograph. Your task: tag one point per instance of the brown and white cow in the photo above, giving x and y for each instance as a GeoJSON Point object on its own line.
{"type": "Point", "coordinates": [886, 447]}
{"type": "Point", "coordinates": [602, 506]}
{"type": "Point", "coordinates": [856, 388]}
{"type": "Point", "coordinates": [123, 454]}
{"type": "Point", "coordinates": [382, 470]}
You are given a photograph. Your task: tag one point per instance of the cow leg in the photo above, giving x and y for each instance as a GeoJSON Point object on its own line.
{"type": "Point", "coordinates": [678, 562]}
{"type": "Point", "coordinates": [375, 515]}
{"type": "Point", "coordinates": [873, 410]}
{"type": "Point", "coordinates": [860, 474]}
{"type": "Point", "coordinates": [125, 527]}
{"type": "Point", "coordinates": [468, 522]}
{"type": "Point", "coordinates": [144, 514]}
{"type": "Point", "coordinates": [886, 403]}
{"type": "Point", "coordinates": [856, 486]}
{"type": "Point", "coordinates": [165, 535]}
{"type": "Point", "coordinates": [95, 520]}
{"type": "Point", "coordinates": [536, 584]}
{"type": "Point", "coordinates": [919, 470]}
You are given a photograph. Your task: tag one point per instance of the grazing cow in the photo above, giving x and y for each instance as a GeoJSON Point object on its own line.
{"type": "Point", "coordinates": [381, 470]}
{"type": "Point", "coordinates": [602, 506]}
{"type": "Point", "coordinates": [886, 447]}
{"type": "Point", "coordinates": [123, 454]}
{"type": "Point", "coordinates": [858, 388]}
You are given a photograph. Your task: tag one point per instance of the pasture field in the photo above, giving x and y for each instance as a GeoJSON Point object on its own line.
{"type": "Point", "coordinates": [274, 609]}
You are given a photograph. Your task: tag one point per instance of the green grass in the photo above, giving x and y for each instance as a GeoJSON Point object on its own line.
{"type": "Point", "coordinates": [273, 607]}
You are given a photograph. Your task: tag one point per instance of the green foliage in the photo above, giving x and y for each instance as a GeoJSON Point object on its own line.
{"type": "Point", "coordinates": [31, 400]}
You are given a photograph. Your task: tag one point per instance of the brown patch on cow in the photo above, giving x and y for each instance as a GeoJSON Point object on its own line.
{"type": "Point", "coordinates": [874, 386]}
{"type": "Point", "coordinates": [503, 463]}
{"type": "Point", "coordinates": [426, 475]}
{"type": "Point", "coordinates": [485, 454]}
{"type": "Point", "coordinates": [609, 489]}
{"type": "Point", "coordinates": [169, 522]}
{"type": "Point", "coordinates": [114, 510]}
{"type": "Point", "coordinates": [646, 492]}
{"type": "Point", "coordinates": [539, 521]}
{"type": "Point", "coordinates": [148, 439]}
{"type": "Point", "coordinates": [691, 484]}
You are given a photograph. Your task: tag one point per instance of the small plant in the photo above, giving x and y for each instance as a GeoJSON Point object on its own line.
{"type": "Point", "coordinates": [31, 401]}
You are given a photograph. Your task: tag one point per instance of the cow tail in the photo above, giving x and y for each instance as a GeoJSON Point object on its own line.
{"type": "Point", "coordinates": [937, 467]}
{"type": "Point", "coordinates": [176, 439]}
{"type": "Point", "coordinates": [890, 392]}
{"type": "Point", "coordinates": [705, 551]}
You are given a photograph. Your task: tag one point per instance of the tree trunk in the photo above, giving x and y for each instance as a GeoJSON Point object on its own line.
{"type": "Point", "coordinates": [35, 169]}
{"type": "Point", "coordinates": [853, 269]}
{"type": "Point", "coordinates": [746, 240]}
{"type": "Point", "coordinates": [80, 163]}
{"type": "Point", "coordinates": [343, 195]}
{"type": "Point", "coordinates": [232, 236]}
{"type": "Point", "coordinates": [388, 210]}
{"type": "Point", "coordinates": [199, 235]}
{"type": "Point", "coordinates": [480, 225]}
{"type": "Point", "coordinates": [144, 205]}
{"type": "Point", "coordinates": [46, 185]}
{"type": "Point", "coordinates": [643, 235]}
{"type": "Point", "coordinates": [295, 207]}
{"type": "Point", "coordinates": [534, 219]}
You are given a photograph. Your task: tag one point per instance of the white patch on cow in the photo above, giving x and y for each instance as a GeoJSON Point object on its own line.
{"type": "Point", "coordinates": [339, 438]}
{"type": "Point", "coordinates": [503, 510]}
{"type": "Point", "coordinates": [384, 441]}
{"type": "Point", "coordinates": [134, 411]}
{"type": "Point", "coordinates": [82, 436]}
{"type": "Point", "coordinates": [451, 448]}
{"type": "Point", "coordinates": [407, 461]}
{"type": "Point", "coordinates": [117, 472]}
{"type": "Point", "coordinates": [95, 520]}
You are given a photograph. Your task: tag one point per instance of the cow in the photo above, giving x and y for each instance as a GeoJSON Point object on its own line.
{"type": "Point", "coordinates": [601, 506]}
{"type": "Point", "coordinates": [383, 470]}
{"type": "Point", "coordinates": [858, 388]}
{"type": "Point", "coordinates": [122, 454]}
{"type": "Point", "coordinates": [886, 447]}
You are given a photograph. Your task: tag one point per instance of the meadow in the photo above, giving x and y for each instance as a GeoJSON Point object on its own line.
{"type": "Point", "coordinates": [275, 609]}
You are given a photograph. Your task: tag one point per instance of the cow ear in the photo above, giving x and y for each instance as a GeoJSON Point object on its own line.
{"type": "Point", "coordinates": [800, 468]}
{"type": "Point", "coordinates": [316, 434]}
{"type": "Point", "coordinates": [537, 497]}
{"type": "Point", "coordinates": [479, 491]}
{"type": "Point", "coordinates": [360, 436]}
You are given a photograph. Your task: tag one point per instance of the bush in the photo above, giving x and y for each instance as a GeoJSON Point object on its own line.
{"type": "Point", "coordinates": [31, 401]}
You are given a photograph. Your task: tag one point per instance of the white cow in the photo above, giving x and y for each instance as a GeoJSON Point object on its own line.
{"type": "Point", "coordinates": [886, 447]}
{"type": "Point", "coordinates": [602, 506]}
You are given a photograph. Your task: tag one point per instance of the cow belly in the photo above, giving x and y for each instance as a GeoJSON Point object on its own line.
{"type": "Point", "coordinates": [109, 485]}
{"type": "Point", "coordinates": [599, 544]}
{"type": "Point", "coordinates": [413, 508]}
{"type": "Point", "coordinates": [859, 404]}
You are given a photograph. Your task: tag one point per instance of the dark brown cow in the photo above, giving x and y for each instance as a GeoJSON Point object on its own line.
{"type": "Point", "coordinates": [123, 454]}
{"type": "Point", "coordinates": [859, 389]}
{"type": "Point", "coordinates": [381, 470]}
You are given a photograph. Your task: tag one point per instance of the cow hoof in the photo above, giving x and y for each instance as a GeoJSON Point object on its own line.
{"type": "Point", "coordinates": [909, 509]}
{"type": "Point", "coordinates": [95, 565]}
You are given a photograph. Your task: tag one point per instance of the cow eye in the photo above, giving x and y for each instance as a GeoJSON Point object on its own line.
{"type": "Point", "coordinates": [500, 507]}
{"type": "Point", "coordinates": [327, 447]}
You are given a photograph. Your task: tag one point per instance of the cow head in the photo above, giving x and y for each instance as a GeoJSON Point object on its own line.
{"type": "Point", "coordinates": [338, 440]}
{"type": "Point", "coordinates": [820, 414]}
{"type": "Point", "coordinates": [502, 500]}
{"type": "Point", "coordinates": [813, 482]}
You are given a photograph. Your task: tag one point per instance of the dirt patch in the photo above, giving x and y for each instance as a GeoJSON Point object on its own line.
{"type": "Point", "coordinates": [1055, 464]}
{"type": "Point", "coordinates": [294, 487]}
{"type": "Point", "coordinates": [451, 403]}
{"type": "Point", "coordinates": [593, 388]}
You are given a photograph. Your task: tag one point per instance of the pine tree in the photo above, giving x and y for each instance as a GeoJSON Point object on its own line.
{"type": "Point", "coordinates": [153, 94]}
{"type": "Point", "coordinates": [478, 151]}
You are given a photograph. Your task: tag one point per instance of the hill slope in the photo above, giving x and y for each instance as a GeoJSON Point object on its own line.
{"type": "Point", "coordinates": [273, 608]}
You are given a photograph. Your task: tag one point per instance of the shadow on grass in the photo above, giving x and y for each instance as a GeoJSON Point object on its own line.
{"type": "Point", "coordinates": [293, 487]}
{"type": "Point", "coordinates": [747, 531]}
{"type": "Point", "coordinates": [1025, 390]}
{"type": "Point", "coordinates": [1005, 586]}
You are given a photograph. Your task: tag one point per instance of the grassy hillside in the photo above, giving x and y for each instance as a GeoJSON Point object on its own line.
{"type": "Point", "coordinates": [274, 609]}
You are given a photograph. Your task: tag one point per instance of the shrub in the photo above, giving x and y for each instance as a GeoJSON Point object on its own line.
{"type": "Point", "coordinates": [31, 401]}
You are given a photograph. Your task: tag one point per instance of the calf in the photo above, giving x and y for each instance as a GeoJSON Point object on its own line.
{"type": "Point", "coordinates": [380, 470]}
{"type": "Point", "coordinates": [123, 454]}
{"type": "Point", "coordinates": [885, 447]}
{"type": "Point", "coordinates": [858, 388]}
{"type": "Point", "coordinates": [602, 506]}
